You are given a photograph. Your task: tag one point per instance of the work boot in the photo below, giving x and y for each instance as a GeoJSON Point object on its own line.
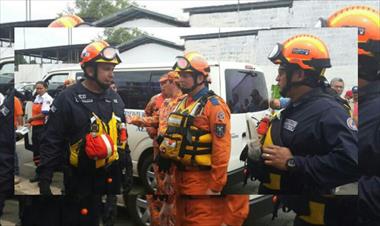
{"type": "Point", "coordinates": [17, 180]}
{"type": "Point", "coordinates": [34, 179]}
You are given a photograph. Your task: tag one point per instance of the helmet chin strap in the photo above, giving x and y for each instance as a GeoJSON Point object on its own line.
{"type": "Point", "coordinates": [309, 81]}
{"type": "Point", "coordinates": [95, 78]}
{"type": "Point", "coordinates": [189, 90]}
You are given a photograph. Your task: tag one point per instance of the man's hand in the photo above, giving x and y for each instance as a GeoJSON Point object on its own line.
{"type": "Point", "coordinates": [211, 192]}
{"type": "Point", "coordinates": [276, 156]}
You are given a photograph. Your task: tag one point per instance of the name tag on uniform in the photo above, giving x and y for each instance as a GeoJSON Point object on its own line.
{"type": "Point", "coordinates": [4, 110]}
{"type": "Point", "coordinates": [290, 124]}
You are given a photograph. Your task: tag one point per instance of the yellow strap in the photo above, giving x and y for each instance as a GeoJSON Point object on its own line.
{"type": "Point", "coordinates": [317, 214]}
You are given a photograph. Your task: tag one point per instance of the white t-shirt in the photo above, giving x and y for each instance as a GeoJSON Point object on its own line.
{"type": "Point", "coordinates": [46, 100]}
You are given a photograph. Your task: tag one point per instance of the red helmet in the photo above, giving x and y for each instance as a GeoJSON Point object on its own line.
{"type": "Point", "coordinates": [192, 62]}
{"type": "Point", "coordinates": [366, 19]}
{"type": "Point", "coordinates": [99, 51]}
{"type": "Point", "coordinates": [67, 21]}
{"type": "Point", "coordinates": [306, 51]}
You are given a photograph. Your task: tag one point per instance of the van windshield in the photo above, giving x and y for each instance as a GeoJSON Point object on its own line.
{"type": "Point", "coordinates": [137, 87]}
{"type": "Point", "coordinates": [246, 91]}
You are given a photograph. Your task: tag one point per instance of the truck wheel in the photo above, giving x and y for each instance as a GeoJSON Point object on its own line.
{"type": "Point", "coordinates": [138, 209]}
{"type": "Point", "coordinates": [146, 173]}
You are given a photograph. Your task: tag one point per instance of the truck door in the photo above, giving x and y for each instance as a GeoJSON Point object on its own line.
{"type": "Point", "coordinates": [245, 93]}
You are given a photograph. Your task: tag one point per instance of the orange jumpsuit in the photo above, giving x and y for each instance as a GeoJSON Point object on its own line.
{"type": "Point", "coordinates": [193, 206]}
{"type": "Point", "coordinates": [157, 119]}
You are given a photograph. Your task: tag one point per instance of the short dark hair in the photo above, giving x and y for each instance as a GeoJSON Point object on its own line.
{"type": "Point", "coordinates": [42, 83]}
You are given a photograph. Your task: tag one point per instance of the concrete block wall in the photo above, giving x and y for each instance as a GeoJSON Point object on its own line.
{"type": "Point", "coordinates": [238, 49]}
{"type": "Point", "coordinates": [341, 42]}
{"type": "Point", "coordinates": [304, 13]}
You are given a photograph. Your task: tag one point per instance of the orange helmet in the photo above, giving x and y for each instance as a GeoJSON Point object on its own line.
{"type": "Point", "coordinates": [192, 62]}
{"type": "Point", "coordinates": [67, 21]}
{"type": "Point", "coordinates": [98, 52]}
{"type": "Point", "coordinates": [366, 19]}
{"type": "Point", "coordinates": [306, 51]}
{"type": "Point", "coordinates": [171, 75]}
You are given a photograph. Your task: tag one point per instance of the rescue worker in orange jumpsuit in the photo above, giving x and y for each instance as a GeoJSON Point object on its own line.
{"type": "Point", "coordinates": [40, 110]}
{"type": "Point", "coordinates": [170, 88]}
{"type": "Point", "coordinates": [198, 141]}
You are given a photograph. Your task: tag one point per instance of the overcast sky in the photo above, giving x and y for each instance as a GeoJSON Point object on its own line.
{"type": "Point", "coordinates": [15, 10]}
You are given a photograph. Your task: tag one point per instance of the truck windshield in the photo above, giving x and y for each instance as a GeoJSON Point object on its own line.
{"type": "Point", "coordinates": [246, 91]}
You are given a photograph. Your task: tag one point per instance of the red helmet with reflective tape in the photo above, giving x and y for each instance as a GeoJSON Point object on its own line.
{"type": "Point", "coordinates": [99, 52]}
{"type": "Point", "coordinates": [192, 62]}
{"type": "Point", "coordinates": [67, 21]}
{"type": "Point", "coordinates": [306, 51]}
{"type": "Point", "coordinates": [367, 20]}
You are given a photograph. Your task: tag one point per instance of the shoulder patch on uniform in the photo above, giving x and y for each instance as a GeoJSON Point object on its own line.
{"type": "Point", "coordinates": [214, 100]}
{"type": "Point", "coordinates": [220, 130]}
{"type": "Point", "coordinates": [351, 124]}
{"type": "Point", "coordinates": [220, 115]}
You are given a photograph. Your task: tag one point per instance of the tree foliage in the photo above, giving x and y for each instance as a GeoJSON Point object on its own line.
{"type": "Point", "coordinates": [116, 36]}
{"type": "Point", "coordinates": [97, 9]}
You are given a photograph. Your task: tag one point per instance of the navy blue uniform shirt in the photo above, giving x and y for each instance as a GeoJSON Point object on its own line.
{"type": "Point", "coordinates": [323, 140]}
{"type": "Point", "coordinates": [369, 152]}
{"type": "Point", "coordinates": [69, 120]}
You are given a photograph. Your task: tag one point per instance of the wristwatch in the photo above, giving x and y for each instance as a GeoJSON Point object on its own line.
{"type": "Point", "coordinates": [291, 164]}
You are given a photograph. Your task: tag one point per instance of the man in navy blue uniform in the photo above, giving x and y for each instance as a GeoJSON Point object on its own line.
{"type": "Point", "coordinates": [86, 137]}
{"type": "Point", "coordinates": [7, 146]}
{"type": "Point", "coordinates": [367, 20]}
{"type": "Point", "coordinates": [311, 146]}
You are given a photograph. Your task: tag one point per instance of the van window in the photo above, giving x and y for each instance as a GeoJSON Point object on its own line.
{"type": "Point", "coordinates": [246, 91]}
{"type": "Point", "coordinates": [6, 76]}
{"type": "Point", "coordinates": [137, 87]}
{"type": "Point", "coordinates": [55, 83]}
{"type": "Point", "coordinates": [6, 72]}
{"type": "Point", "coordinates": [79, 76]}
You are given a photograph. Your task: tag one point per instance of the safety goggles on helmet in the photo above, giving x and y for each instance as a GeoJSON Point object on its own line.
{"type": "Point", "coordinates": [108, 54]}
{"type": "Point", "coordinates": [183, 64]}
{"type": "Point", "coordinates": [276, 55]}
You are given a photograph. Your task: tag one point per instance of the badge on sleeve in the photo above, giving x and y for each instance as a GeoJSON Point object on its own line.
{"type": "Point", "coordinates": [220, 130]}
{"type": "Point", "coordinates": [351, 124]}
{"type": "Point", "coordinates": [220, 116]}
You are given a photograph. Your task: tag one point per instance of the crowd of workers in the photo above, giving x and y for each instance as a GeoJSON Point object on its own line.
{"type": "Point", "coordinates": [310, 146]}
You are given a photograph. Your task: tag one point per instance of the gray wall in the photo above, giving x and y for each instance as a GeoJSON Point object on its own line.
{"type": "Point", "coordinates": [341, 42]}
{"type": "Point", "coordinates": [304, 13]}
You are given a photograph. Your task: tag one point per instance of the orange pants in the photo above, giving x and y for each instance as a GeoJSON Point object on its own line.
{"type": "Point", "coordinates": [154, 206]}
{"type": "Point", "coordinates": [212, 211]}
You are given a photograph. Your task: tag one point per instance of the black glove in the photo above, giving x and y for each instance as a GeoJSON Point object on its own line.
{"type": "Point", "coordinates": [163, 164]}
{"type": "Point", "coordinates": [110, 210]}
{"type": "Point", "coordinates": [127, 172]}
{"type": "Point", "coordinates": [44, 188]}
